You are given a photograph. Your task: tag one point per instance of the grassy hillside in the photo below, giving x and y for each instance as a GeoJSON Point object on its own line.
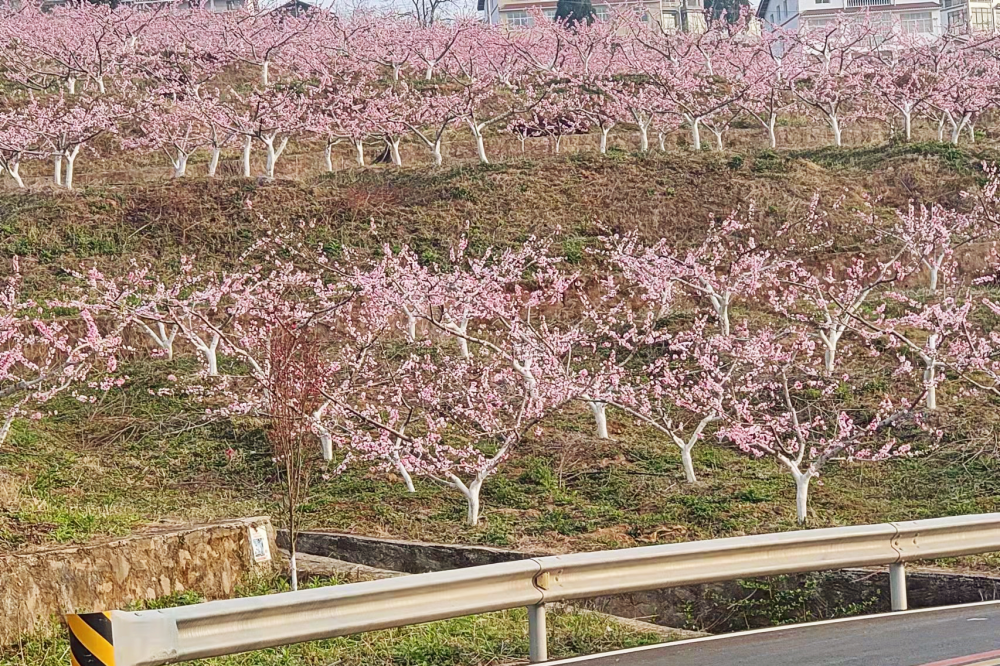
{"type": "Point", "coordinates": [133, 459]}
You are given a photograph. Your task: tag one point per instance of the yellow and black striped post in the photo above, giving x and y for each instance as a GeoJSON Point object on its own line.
{"type": "Point", "coordinates": [90, 639]}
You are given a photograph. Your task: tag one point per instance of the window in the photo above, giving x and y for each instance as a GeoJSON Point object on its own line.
{"type": "Point", "coordinates": [692, 4]}
{"type": "Point", "coordinates": [814, 23]}
{"type": "Point", "coordinates": [518, 19]}
{"type": "Point", "coordinates": [822, 2]}
{"type": "Point", "coordinates": [602, 12]}
{"type": "Point", "coordinates": [982, 19]}
{"type": "Point", "coordinates": [550, 14]}
{"type": "Point", "coordinates": [957, 21]}
{"type": "Point", "coordinates": [669, 22]}
{"type": "Point", "coordinates": [917, 22]}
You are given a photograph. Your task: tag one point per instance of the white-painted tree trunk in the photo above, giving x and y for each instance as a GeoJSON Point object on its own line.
{"type": "Point", "coordinates": [5, 428]}
{"type": "Point", "coordinates": [328, 157]}
{"type": "Point", "coordinates": [403, 472]}
{"type": "Point", "coordinates": [695, 124]}
{"type": "Point", "coordinates": [71, 85]}
{"type": "Point", "coordinates": [688, 463]}
{"type": "Point", "coordinates": [772, 138]}
{"type": "Point", "coordinates": [247, 147]}
{"type": "Point", "coordinates": [264, 72]}
{"type": "Point", "coordinates": [662, 138]}
{"type": "Point", "coordinates": [411, 324]}
{"type": "Point", "coordinates": [273, 153]}
{"type": "Point", "coordinates": [643, 137]}
{"type": "Point", "coordinates": [209, 351]}
{"type": "Point", "coordinates": [326, 444]}
{"type": "Point", "coordinates": [830, 339]}
{"type": "Point", "coordinates": [213, 161]}
{"type": "Point", "coordinates": [161, 338]}
{"type": "Point", "coordinates": [972, 132]}
{"type": "Point", "coordinates": [718, 139]}
{"type": "Point", "coordinates": [720, 303]}
{"type": "Point", "coordinates": [57, 173]}
{"type": "Point", "coordinates": [801, 495]}
{"type": "Point", "coordinates": [293, 570]}
{"type": "Point", "coordinates": [70, 162]}
{"type": "Point", "coordinates": [907, 123]}
{"type": "Point", "coordinates": [13, 170]}
{"type": "Point", "coordinates": [477, 132]}
{"type": "Point", "coordinates": [359, 147]}
{"type": "Point", "coordinates": [930, 381]}
{"type": "Point", "coordinates": [599, 409]}
{"type": "Point", "coordinates": [436, 151]}
{"type": "Point", "coordinates": [393, 142]}
{"type": "Point", "coordinates": [835, 127]}
{"type": "Point", "coordinates": [604, 139]}
{"type": "Point", "coordinates": [180, 162]}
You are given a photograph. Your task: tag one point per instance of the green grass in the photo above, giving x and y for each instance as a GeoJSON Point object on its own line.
{"type": "Point", "coordinates": [105, 469]}
{"type": "Point", "coordinates": [494, 638]}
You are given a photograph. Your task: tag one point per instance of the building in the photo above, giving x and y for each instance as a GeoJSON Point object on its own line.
{"type": "Point", "coordinates": [671, 15]}
{"type": "Point", "coordinates": [964, 16]}
{"type": "Point", "coordinates": [915, 17]}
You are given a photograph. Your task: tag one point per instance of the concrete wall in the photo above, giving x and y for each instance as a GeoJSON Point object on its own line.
{"type": "Point", "coordinates": [717, 607]}
{"type": "Point", "coordinates": [405, 556]}
{"type": "Point", "coordinates": [208, 559]}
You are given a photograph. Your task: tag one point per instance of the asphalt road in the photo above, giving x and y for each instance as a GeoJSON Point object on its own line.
{"type": "Point", "coordinates": [955, 636]}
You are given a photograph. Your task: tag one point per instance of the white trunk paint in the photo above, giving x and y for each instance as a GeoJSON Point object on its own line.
{"type": "Point", "coordinates": [274, 151]}
{"type": "Point", "coordinates": [907, 123]}
{"type": "Point", "coordinates": [436, 150]}
{"type": "Point", "coordinates": [695, 124]}
{"type": "Point", "coordinates": [802, 495]}
{"type": "Point", "coordinates": [57, 173]}
{"type": "Point", "coordinates": [930, 381]}
{"type": "Point", "coordinates": [180, 162]}
{"type": "Point", "coordinates": [604, 139]}
{"type": "Point", "coordinates": [293, 570]}
{"type": "Point", "coordinates": [5, 428]}
{"type": "Point", "coordinates": [359, 147]}
{"type": "Point", "coordinates": [14, 171]}
{"type": "Point", "coordinates": [213, 161]}
{"type": "Point", "coordinates": [328, 156]}
{"type": "Point", "coordinates": [477, 132]}
{"type": "Point", "coordinates": [326, 444]}
{"type": "Point", "coordinates": [71, 85]}
{"type": "Point", "coordinates": [599, 409]}
{"type": "Point", "coordinates": [70, 162]}
{"type": "Point", "coordinates": [663, 142]}
{"type": "Point", "coordinates": [411, 324]}
{"type": "Point", "coordinates": [247, 147]}
{"type": "Point", "coordinates": [264, 71]}
{"type": "Point", "coordinates": [643, 138]}
{"type": "Point", "coordinates": [772, 138]}
{"type": "Point", "coordinates": [161, 337]}
{"type": "Point", "coordinates": [394, 150]}
{"type": "Point", "coordinates": [403, 472]}
{"type": "Point", "coordinates": [209, 351]}
{"type": "Point", "coordinates": [688, 464]}
{"type": "Point", "coordinates": [835, 127]}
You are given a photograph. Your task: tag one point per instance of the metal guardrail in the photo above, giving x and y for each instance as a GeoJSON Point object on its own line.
{"type": "Point", "coordinates": [150, 638]}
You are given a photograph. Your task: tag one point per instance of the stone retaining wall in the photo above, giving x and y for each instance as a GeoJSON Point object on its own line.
{"type": "Point", "coordinates": [208, 559]}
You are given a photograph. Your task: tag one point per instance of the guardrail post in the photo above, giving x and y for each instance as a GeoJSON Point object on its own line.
{"type": "Point", "coordinates": [897, 586]}
{"type": "Point", "coordinates": [538, 641]}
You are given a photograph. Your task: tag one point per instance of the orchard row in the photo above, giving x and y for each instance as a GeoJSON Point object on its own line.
{"type": "Point", "coordinates": [179, 81]}
{"type": "Point", "coordinates": [440, 374]}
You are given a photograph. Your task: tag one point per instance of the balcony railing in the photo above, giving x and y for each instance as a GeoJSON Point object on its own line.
{"type": "Point", "coordinates": [869, 3]}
